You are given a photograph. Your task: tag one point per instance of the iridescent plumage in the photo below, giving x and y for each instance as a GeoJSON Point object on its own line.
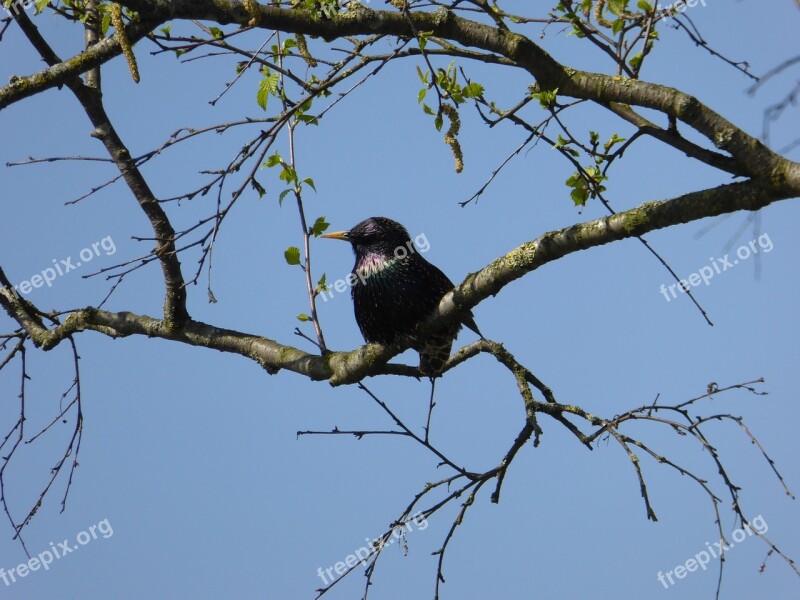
{"type": "Point", "coordinates": [395, 289]}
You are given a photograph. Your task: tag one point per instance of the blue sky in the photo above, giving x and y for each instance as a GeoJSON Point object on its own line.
{"type": "Point", "coordinates": [191, 456]}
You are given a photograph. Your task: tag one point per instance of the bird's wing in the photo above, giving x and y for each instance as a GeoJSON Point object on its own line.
{"type": "Point", "coordinates": [443, 285]}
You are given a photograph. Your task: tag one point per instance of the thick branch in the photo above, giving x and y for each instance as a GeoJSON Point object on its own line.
{"type": "Point", "coordinates": [647, 217]}
{"type": "Point", "coordinates": [57, 74]}
{"type": "Point", "coordinates": [751, 156]}
{"type": "Point", "coordinates": [349, 367]}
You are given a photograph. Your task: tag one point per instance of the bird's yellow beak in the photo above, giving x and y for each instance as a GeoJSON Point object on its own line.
{"type": "Point", "coordinates": [336, 235]}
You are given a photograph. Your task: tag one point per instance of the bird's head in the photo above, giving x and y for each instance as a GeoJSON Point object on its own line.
{"type": "Point", "coordinates": [374, 236]}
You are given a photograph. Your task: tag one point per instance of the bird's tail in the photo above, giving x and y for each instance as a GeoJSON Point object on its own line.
{"type": "Point", "coordinates": [434, 354]}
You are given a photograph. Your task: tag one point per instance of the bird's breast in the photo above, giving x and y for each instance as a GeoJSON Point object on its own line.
{"type": "Point", "coordinates": [372, 264]}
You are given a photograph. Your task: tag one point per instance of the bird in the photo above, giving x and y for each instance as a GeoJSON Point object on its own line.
{"type": "Point", "coordinates": [394, 289]}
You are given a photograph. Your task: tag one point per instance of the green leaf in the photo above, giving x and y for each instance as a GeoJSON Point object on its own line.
{"type": "Point", "coordinates": [422, 38]}
{"type": "Point", "coordinates": [427, 110]}
{"type": "Point", "coordinates": [561, 141]}
{"type": "Point", "coordinates": [268, 87]}
{"type": "Point", "coordinates": [292, 255]}
{"type": "Point", "coordinates": [579, 196]}
{"type": "Point", "coordinates": [636, 60]}
{"type": "Point", "coordinates": [105, 22]}
{"type": "Point", "coordinates": [40, 5]}
{"type": "Point", "coordinates": [580, 189]}
{"type": "Point", "coordinates": [288, 174]}
{"type": "Point", "coordinates": [166, 29]}
{"type": "Point", "coordinates": [216, 32]}
{"type": "Point", "coordinates": [645, 6]}
{"type": "Point", "coordinates": [421, 96]}
{"type": "Point", "coordinates": [617, 6]}
{"type": "Point", "coordinates": [595, 174]}
{"type": "Point", "coordinates": [282, 196]}
{"type": "Point", "coordinates": [473, 90]}
{"type": "Point", "coordinates": [273, 160]}
{"type": "Point", "coordinates": [576, 31]}
{"type": "Point", "coordinates": [438, 122]}
{"type": "Point", "coordinates": [303, 317]}
{"type": "Point", "coordinates": [263, 95]}
{"type": "Point", "coordinates": [546, 98]}
{"type": "Point", "coordinates": [310, 182]}
{"type": "Point", "coordinates": [612, 141]}
{"type": "Point", "coordinates": [618, 25]}
{"type": "Point", "coordinates": [305, 106]}
{"type": "Point", "coordinates": [322, 285]}
{"type": "Point", "coordinates": [423, 76]}
{"type": "Point", "coordinates": [319, 226]}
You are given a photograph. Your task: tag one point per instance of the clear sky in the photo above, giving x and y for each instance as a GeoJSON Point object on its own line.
{"type": "Point", "coordinates": [190, 468]}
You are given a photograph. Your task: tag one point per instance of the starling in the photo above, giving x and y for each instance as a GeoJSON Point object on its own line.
{"type": "Point", "coordinates": [394, 289]}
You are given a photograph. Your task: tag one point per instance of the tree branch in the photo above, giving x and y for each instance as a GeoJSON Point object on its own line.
{"type": "Point", "coordinates": [752, 157]}
{"type": "Point", "coordinates": [91, 100]}
{"type": "Point", "coordinates": [349, 367]}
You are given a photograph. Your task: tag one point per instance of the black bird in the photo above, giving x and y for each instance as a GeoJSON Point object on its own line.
{"type": "Point", "coordinates": [394, 289]}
